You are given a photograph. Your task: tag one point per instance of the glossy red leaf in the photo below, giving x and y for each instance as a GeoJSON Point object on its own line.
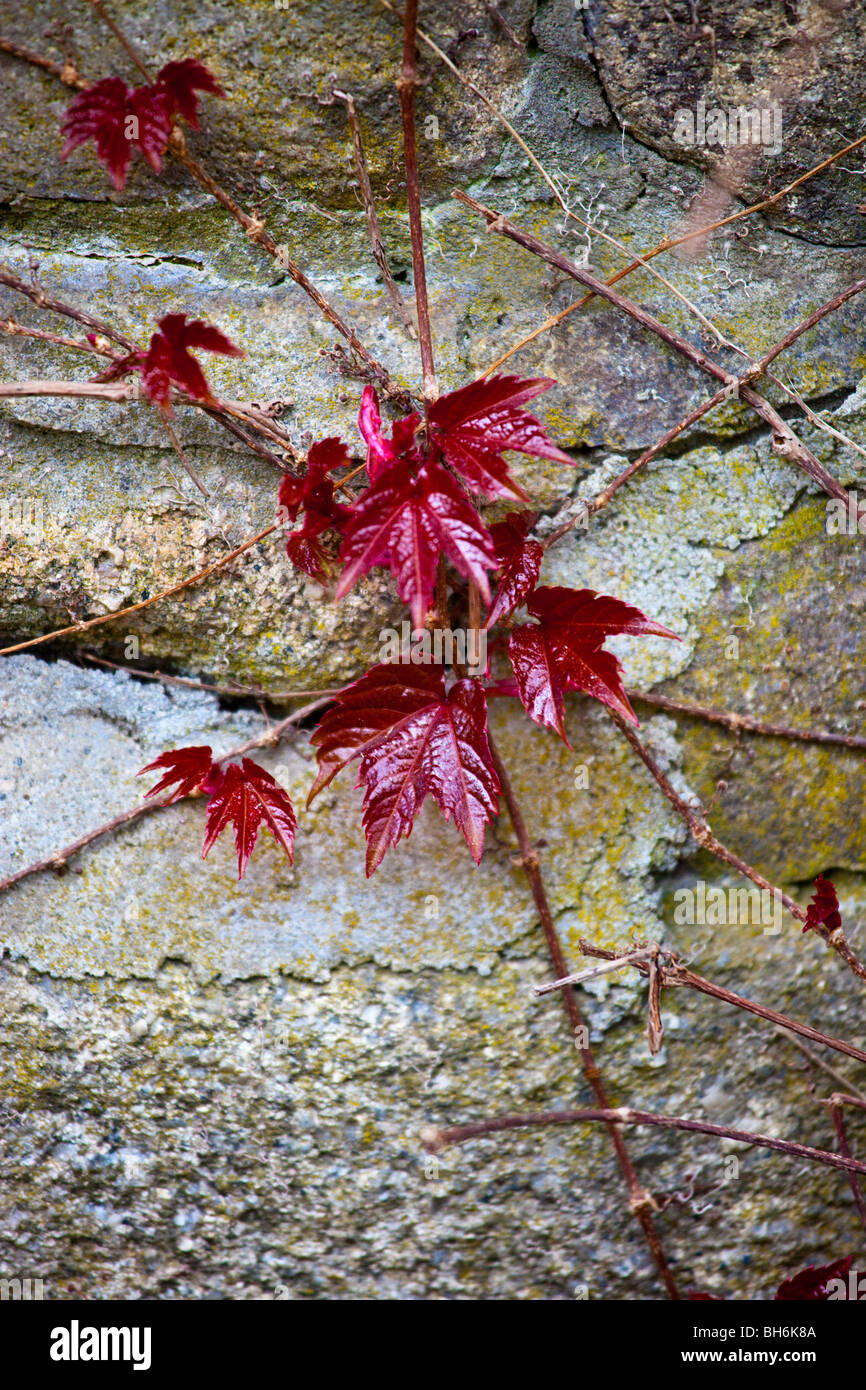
{"type": "Point", "coordinates": [473, 425]}
{"type": "Point", "coordinates": [314, 493]}
{"type": "Point", "coordinates": [519, 563]}
{"type": "Point", "coordinates": [413, 740]}
{"type": "Point", "coordinates": [406, 522]}
{"type": "Point", "coordinates": [188, 767]}
{"type": "Point", "coordinates": [563, 651]}
{"type": "Point", "coordinates": [116, 118]}
{"type": "Point", "coordinates": [810, 1285]}
{"type": "Point", "coordinates": [822, 914]}
{"type": "Point", "coordinates": [169, 361]}
{"type": "Point", "coordinates": [180, 81]}
{"type": "Point", "coordinates": [246, 797]}
{"type": "Point", "coordinates": [383, 453]}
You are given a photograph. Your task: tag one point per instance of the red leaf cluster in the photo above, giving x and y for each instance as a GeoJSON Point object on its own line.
{"type": "Point", "coordinates": [243, 795]}
{"type": "Point", "coordinates": [822, 914]}
{"type": "Point", "coordinates": [117, 118]}
{"type": "Point", "coordinates": [169, 362]}
{"type": "Point", "coordinates": [413, 739]}
{"type": "Point", "coordinates": [314, 493]}
{"type": "Point", "coordinates": [563, 650]}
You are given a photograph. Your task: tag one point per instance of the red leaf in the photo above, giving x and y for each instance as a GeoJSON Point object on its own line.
{"type": "Point", "coordinates": [189, 767]}
{"type": "Point", "coordinates": [246, 796]}
{"type": "Point", "coordinates": [822, 914]}
{"type": "Point", "coordinates": [413, 740]}
{"type": "Point", "coordinates": [383, 453]}
{"type": "Point", "coordinates": [563, 651]}
{"type": "Point", "coordinates": [180, 81]}
{"type": "Point", "coordinates": [810, 1285]}
{"type": "Point", "coordinates": [406, 522]}
{"type": "Point", "coordinates": [116, 117]}
{"type": "Point", "coordinates": [473, 425]}
{"type": "Point", "coordinates": [169, 360]}
{"type": "Point", "coordinates": [315, 494]}
{"type": "Point", "coordinates": [519, 562]}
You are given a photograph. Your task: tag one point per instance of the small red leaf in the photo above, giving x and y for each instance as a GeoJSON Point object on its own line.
{"type": "Point", "coordinates": [383, 453]}
{"type": "Point", "coordinates": [413, 740]}
{"type": "Point", "coordinates": [810, 1285]}
{"type": "Point", "coordinates": [315, 494]}
{"type": "Point", "coordinates": [246, 797]}
{"type": "Point", "coordinates": [472, 426]}
{"type": "Point", "coordinates": [180, 81]}
{"type": "Point", "coordinates": [169, 361]}
{"type": "Point", "coordinates": [563, 651]}
{"type": "Point", "coordinates": [406, 522]}
{"type": "Point", "coordinates": [519, 563]}
{"type": "Point", "coordinates": [822, 914]}
{"type": "Point", "coordinates": [189, 767]}
{"type": "Point", "coordinates": [116, 117]}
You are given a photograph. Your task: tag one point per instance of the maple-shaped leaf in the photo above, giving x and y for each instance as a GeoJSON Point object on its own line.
{"type": "Point", "coordinates": [406, 522]}
{"type": "Point", "coordinates": [822, 914]}
{"type": "Point", "coordinates": [116, 118]}
{"type": "Point", "coordinates": [246, 797]}
{"type": "Point", "coordinates": [315, 494]}
{"type": "Point", "coordinates": [188, 767]}
{"type": "Point", "coordinates": [563, 651]}
{"type": "Point", "coordinates": [383, 453]}
{"type": "Point", "coordinates": [180, 81]}
{"type": "Point", "coordinates": [413, 740]}
{"type": "Point", "coordinates": [519, 562]}
{"type": "Point", "coordinates": [810, 1285]}
{"type": "Point", "coordinates": [169, 361]}
{"type": "Point", "coordinates": [472, 426]}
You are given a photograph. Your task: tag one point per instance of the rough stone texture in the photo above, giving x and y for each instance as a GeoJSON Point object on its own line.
{"type": "Point", "coordinates": [213, 1089]}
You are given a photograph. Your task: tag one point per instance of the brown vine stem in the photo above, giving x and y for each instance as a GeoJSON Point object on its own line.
{"type": "Point", "coordinates": [437, 1138]}
{"type": "Point", "coordinates": [235, 692]}
{"type": "Point", "coordinates": [739, 723]}
{"type": "Point", "coordinates": [640, 1200]}
{"type": "Point", "coordinates": [60, 857]}
{"type": "Point", "coordinates": [20, 330]}
{"type": "Point", "coordinates": [146, 602]}
{"type": "Point", "coordinates": [254, 227]}
{"type": "Point", "coordinates": [58, 306]}
{"type": "Point", "coordinates": [64, 72]}
{"type": "Point", "coordinates": [406, 84]}
{"type": "Point", "coordinates": [667, 244]}
{"type": "Point", "coordinates": [845, 1150]}
{"type": "Point", "coordinates": [785, 441]}
{"type": "Point", "coordinates": [377, 245]}
{"type": "Point", "coordinates": [675, 974]}
{"type": "Point", "coordinates": [819, 1062]}
{"type": "Point", "coordinates": [595, 504]}
{"type": "Point", "coordinates": [703, 835]}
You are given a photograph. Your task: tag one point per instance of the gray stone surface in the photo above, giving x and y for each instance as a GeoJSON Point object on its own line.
{"type": "Point", "coordinates": [215, 1089]}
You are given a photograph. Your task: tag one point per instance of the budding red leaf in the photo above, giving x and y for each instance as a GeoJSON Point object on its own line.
{"type": "Point", "coordinates": [246, 796]}
{"type": "Point", "coordinates": [188, 767]}
{"type": "Point", "coordinates": [413, 740]}
{"type": "Point", "coordinates": [315, 494]}
{"type": "Point", "coordinates": [383, 453]}
{"type": "Point", "coordinates": [116, 118]}
{"type": "Point", "coordinates": [406, 522]}
{"type": "Point", "coordinates": [822, 914]}
{"type": "Point", "coordinates": [563, 651]}
{"type": "Point", "coordinates": [472, 426]}
{"type": "Point", "coordinates": [810, 1285]}
{"type": "Point", "coordinates": [168, 360]}
{"type": "Point", "coordinates": [519, 563]}
{"type": "Point", "coordinates": [180, 81]}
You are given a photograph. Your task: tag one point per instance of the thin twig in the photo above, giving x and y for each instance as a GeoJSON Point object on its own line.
{"type": "Point", "coordinates": [738, 723]}
{"type": "Point", "coordinates": [234, 692]}
{"type": "Point", "coordinates": [377, 245]}
{"type": "Point", "coordinates": [64, 72]}
{"type": "Point", "coordinates": [676, 974]}
{"type": "Point", "coordinates": [611, 965]}
{"type": "Point", "coordinates": [436, 1138]}
{"type": "Point", "coordinates": [406, 84]}
{"type": "Point", "coordinates": [817, 1061]}
{"type": "Point", "coordinates": [785, 441]}
{"type": "Point", "coordinates": [145, 603]}
{"type": "Point", "coordinates": [640, 1200]}
{"type": "Point", "coordinates": [20, 330]}
{"type": "Point", "coordinates": [58, 306]}
{"type": "Point", "coordinates": [844, 1149]}
{"type": "Point", "coordinates": [61, 857]}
